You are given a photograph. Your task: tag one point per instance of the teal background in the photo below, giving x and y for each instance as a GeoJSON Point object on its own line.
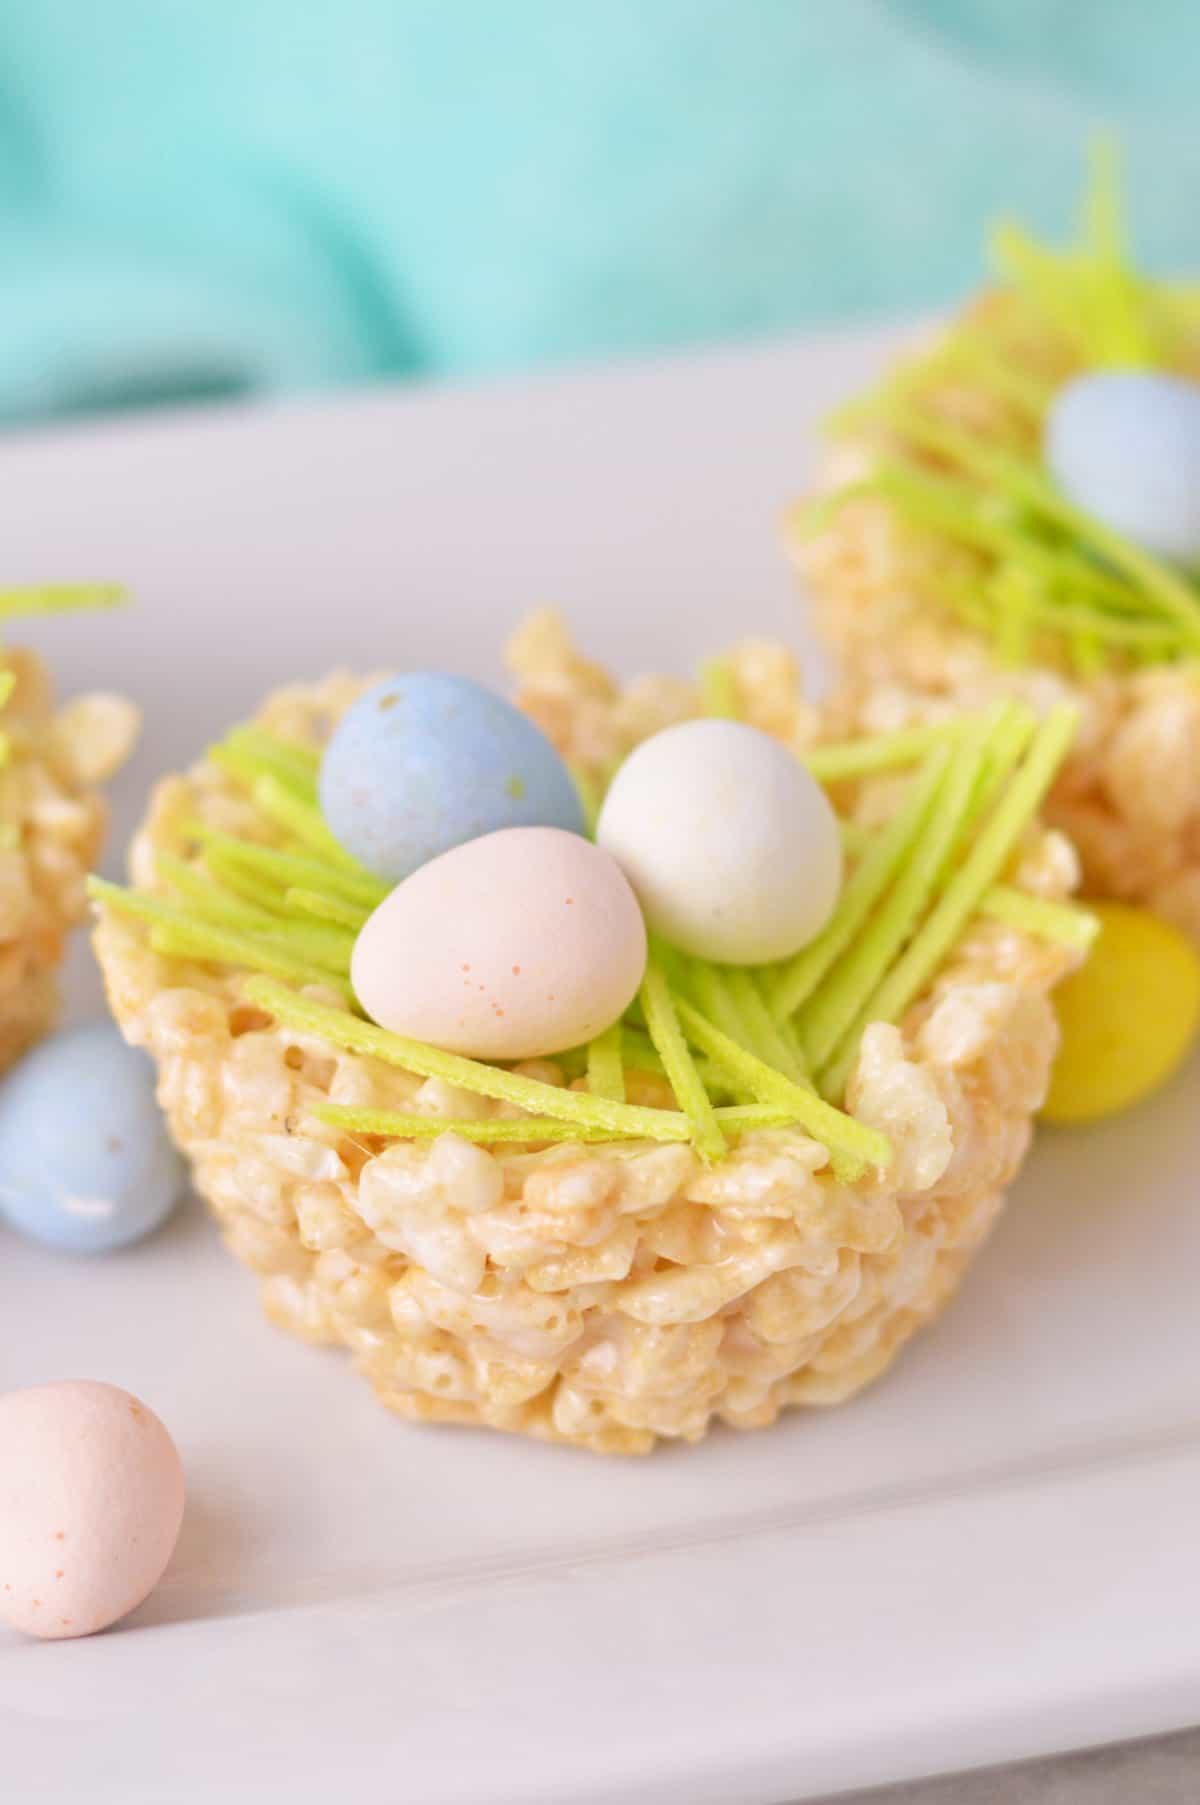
{"type": "Point", "coordinates": [220, 196]}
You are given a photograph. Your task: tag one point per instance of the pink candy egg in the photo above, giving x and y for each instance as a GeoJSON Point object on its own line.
{"type": "Point", "coordinates": [91, 1500]}
{"type": "Point", "coordinates": [521, 943]}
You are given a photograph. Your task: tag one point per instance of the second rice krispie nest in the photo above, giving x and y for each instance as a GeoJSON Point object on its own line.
{"type": "Point", "coordinates": [52, 823]}
{"type": "Point", "coordinates": [945, 567]}
{"type": "Point", "coordinates": [601, 1293]}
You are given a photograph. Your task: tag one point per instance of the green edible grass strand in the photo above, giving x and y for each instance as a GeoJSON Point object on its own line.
{"type": "Point", "coordinates": [858, 1145]}
{"type": "Point", "coordinates": [798, 980]}
{"type": "Point", "coordinates": [958, 903]}
{"type": "Point", "coordinates": [621, 1120]}
{"type": "Point", "coordinates": [605, 1065]}
{"type": "Point", "coordinates": [663, 1022]}
{"type": "Point", "coordinates": [828, 1017]}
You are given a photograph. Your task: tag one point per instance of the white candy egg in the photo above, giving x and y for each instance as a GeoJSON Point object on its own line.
{"type": "Point", "coordinates": [728, 840]}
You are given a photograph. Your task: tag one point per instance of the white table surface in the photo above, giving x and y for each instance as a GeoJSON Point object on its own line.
{"type": "Point", "coordinates": [990, 1556]}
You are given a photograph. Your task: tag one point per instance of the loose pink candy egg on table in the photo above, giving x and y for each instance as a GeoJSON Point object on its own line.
{"type": "Point", "coordinates": [91, 1501]}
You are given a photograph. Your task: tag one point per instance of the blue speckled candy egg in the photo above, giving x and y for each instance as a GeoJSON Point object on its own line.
{"type": "Point", "coordinates": [425, 762]}
{"type": "Point", "coordinates": [86, 1163]}
{"type": "Point", "coordinates": [1125, 446]}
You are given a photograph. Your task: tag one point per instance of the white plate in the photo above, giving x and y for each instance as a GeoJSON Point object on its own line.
{"type": "Point", "coordinates": [991, 1554]}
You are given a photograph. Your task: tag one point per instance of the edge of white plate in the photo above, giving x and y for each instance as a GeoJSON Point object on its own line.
{"type": "Point", "coordinates": [979, 1657]}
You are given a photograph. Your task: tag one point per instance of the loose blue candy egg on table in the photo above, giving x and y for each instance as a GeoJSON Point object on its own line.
{"type": "Point", "coordinates": [425, 762]}
{"type": "Point", "coordinates": [1124, 445]}
{"type": "Point", "coordinates": [86, 1163]}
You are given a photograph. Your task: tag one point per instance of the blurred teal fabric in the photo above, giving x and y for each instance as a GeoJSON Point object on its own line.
{"type": "Point", "coordinates": [226, 196]}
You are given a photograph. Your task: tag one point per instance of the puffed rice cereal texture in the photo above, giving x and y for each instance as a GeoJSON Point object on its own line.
{"type": "Point", "coordinates": [604, 1296]}
{"type": "Point", "coordinates": [1128, 796]}
{"type": "Point", "coordinates": [52, 825]}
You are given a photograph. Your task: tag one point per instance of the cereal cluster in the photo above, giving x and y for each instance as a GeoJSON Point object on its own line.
{"type": "Point", "coordinates": [1129, 793]}
{"type": "Point", "coordinates": [52, 822]}
{"type": "Point", "coordinates": [598, 1295]}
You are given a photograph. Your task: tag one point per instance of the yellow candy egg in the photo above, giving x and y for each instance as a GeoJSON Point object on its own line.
{"type": "Point", "coordinates": [1127, 1017]}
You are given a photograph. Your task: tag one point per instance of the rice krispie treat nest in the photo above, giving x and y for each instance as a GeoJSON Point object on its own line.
{"type": "Point", "coordinates": [946, 567]}
{"type": "Point", "coordinates": [52, 824]}
{"type": "Point", "coordinates": [613, 1287]}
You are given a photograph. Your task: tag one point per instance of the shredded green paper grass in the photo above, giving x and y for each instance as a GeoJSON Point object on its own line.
{"type": "Point", "coordinates": [742, 1050]}
{"type": "Point", "coordinates": [1047, 579]}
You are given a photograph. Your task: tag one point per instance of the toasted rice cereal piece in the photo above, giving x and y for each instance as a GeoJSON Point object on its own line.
{"type": "Point", "coordinates": [1129, 793]}
{"type": "Point", "coordinates": [53, 819]}
{"type": "Point", "coordinates": [599, 1295]}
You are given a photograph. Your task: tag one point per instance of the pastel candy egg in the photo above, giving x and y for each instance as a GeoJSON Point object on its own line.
{"type": "Point", "coordinates": [424, 762]}
{"type": "Point", "coordinates": [86, 1163]}
{"type": "Point", "coordinates": [728, 841]}
{"type": "Point", "coordinates": [91, 1501]}
{"type": "Point", "coordinates": [1124, 445]}
{"type": "Point", "coordinates": [1126, 1019]}
{"type": "Point", "coordinates": [515, 945]}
